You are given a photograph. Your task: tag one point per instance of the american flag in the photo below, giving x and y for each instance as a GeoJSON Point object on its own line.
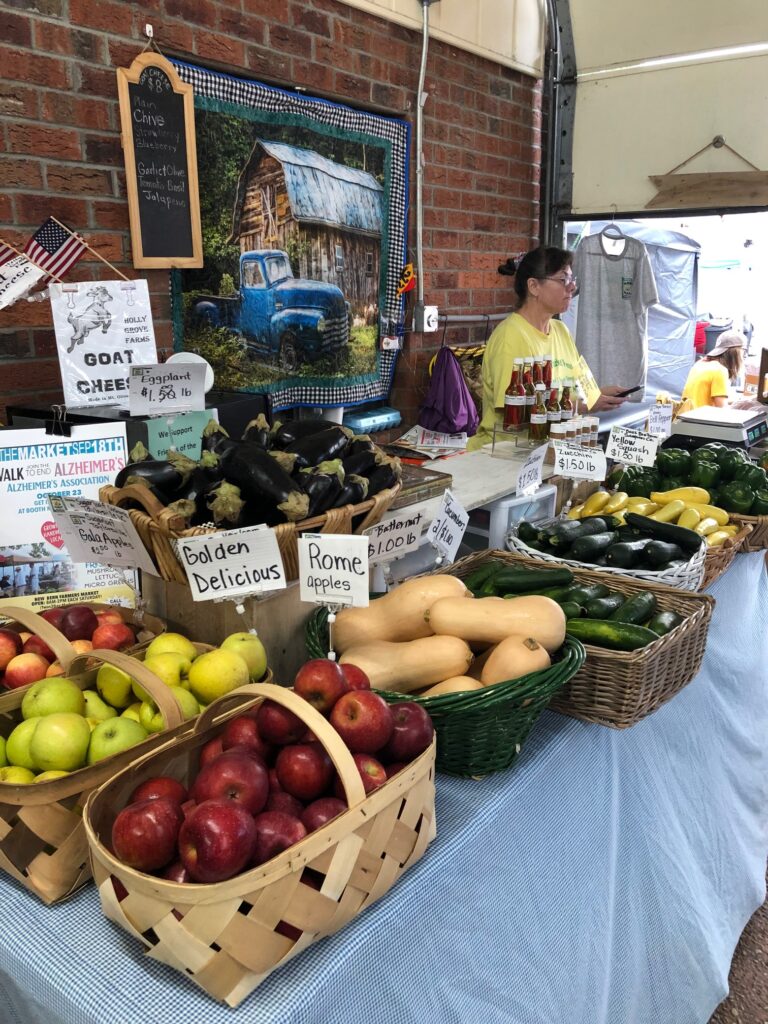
{"type": "Point", "coordinates": [54, 248]}
{"type": "Point", "coordinates": [6, 253]}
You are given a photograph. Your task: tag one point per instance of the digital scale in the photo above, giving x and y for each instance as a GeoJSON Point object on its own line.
{"type": "Point", "coordinates": [743, 428]}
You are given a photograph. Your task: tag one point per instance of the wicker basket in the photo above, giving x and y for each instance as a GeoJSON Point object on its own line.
{"type": "Point", "coordinates": [619, 688]}
{"type": "Point", "coordinates": [478, 731]}
{"type": "Point", "coordinates": [758, 539]}
{"type": "Point", "coordinates": [718, 559]}
{"type": "Point", "coordinates": [159, 528]}
{"type": "Point", "coordinates": [229, 936]}
{"type": "Point", "coordinates": [685, 575]}
{"type": "Point", "coordinates": [42, 840]}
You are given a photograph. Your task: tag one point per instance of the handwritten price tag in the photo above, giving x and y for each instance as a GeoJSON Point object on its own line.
{"type": "Point", "coordinates": [587, 383]}
{"type": "Point", "coordinates": [166, 388]}
{"type": "Point", "coordinates": [660, 420]}
{"type": "Point", "coordinates": [632, 447]}
{"type": "Point", "coordinates": [579, 463]}
{"type": "Point", "coordinates": [447, 528]}
{"type": "Point", "coordinates": [529, 477]}
{"type": "Point", "coordinates": [333, 569]}
{"type": "Point", "coordinates": [94, 532]}
{"type": "Point", "coordinates": [232, 563]}
{"type": "Point", "coordinates": [395, 536]}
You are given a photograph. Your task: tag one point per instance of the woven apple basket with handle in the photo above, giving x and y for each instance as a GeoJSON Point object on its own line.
{"type": "Point", "coordinates": [226, 936]}
{"type": "Point", "coordinates": [42, 839]}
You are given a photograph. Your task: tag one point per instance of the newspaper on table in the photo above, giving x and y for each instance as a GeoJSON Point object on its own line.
{"type": "Point", "coordinates": [432, 444]}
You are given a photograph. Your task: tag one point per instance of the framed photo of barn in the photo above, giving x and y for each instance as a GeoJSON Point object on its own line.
{"type": "Point", "coordinates": [303, 206]}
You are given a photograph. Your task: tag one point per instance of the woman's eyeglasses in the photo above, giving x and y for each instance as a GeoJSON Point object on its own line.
{"type": "Point", "coordinates": [566, 282]}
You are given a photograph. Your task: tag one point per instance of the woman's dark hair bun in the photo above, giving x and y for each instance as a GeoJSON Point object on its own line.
{"type": "Point", "coordinates": [509, 268]}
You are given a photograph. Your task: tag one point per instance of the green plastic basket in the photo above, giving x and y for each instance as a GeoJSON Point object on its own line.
{"type": "Point", "coordinates": [480, 731]}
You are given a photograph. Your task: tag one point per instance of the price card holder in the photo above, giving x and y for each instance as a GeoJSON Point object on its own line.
{"type": "Point", "coordinates": [232, 563]}
{"type": "Point", "coordinates": [94, 532]}
{"type": "Point", "coordinates": [660, 420]}
{"type": "Point", "coordinates": [529, 477]}
{"type": "Point", "coordinates": [447, 528]}
{"type": "Point", "coordinates": [163, 389]}
{"type": "Point", "coordinates": [632, 447]}
{"type": "Point", "coordinates": [579, 463]}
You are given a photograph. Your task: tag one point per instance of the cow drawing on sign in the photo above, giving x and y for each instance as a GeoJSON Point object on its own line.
{"type": "Point", "coordinates": [94, 315]}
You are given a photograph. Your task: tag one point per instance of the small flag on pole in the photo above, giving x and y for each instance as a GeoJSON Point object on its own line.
{"type": "Point", "coordinates": [6, 253]}
{"type": "Point", "coordinates": [54, 248]}
{"type": "Point", "coordinates": [407, 279]}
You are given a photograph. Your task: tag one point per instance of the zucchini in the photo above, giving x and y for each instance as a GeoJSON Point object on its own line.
{"type": "Point", "coordinates": [516, 579]}
{"type": "Point", "coordinates": [588, 549]}
{"type": "Point", "coordinates": [626, 554]}
{"type": "Point", "coordinates": [583, 592]}
{"type": "Point", "coordinates": [636, 609]}
{"type": "Point", "coordinates": [616, 636]}
{"type": "Point", "coordinates": [527, 531]}
{"type": "Point", "coordinates": [561, 534]}
{"type": "Point", "coordinates": [664, 622]}
{"type": "Point", "coordinates": [478, 576]}
{"type": "Point", "coordinates": [680, 535]}
{"type": "Point", "coordinates": [571, 610]}
{"type": "Point", "coordinates": [564, 534]}
{"type": "Point", "coordinates": [601, 607]}
{"type": "Point", "coordinates": [658, 554]}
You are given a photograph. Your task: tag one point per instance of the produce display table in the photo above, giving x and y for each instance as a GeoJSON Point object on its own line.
{"type": "Point", "coordinates": [604, 879]}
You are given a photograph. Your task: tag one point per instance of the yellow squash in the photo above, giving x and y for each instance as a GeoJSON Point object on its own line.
{"type": "Point", "coordinates": [616, 502]}
{"type": "Point", "coordinates": [689, 518]}
{"type": "Point", "coordinates": [709, 510]}
{"type": "Point", "coordinates": [668, 513]}
{"type": "Point", "coordinates": [717, 538]}
{"type": "Point", "coordinates": [686, 494]}
{"type": "Point", "coordinates": [595, 503]}
{"type": "Point", "coordinates": [706, 526]}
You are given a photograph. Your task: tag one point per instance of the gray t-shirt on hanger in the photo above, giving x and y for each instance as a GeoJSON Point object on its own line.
{"type": "Point", "coordinates": [615, 292]}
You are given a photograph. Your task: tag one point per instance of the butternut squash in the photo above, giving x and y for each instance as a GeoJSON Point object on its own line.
{"type": "Point", "coordinates": [397, 616]}
{"type": "Point", "coordinates": [475, 670]}
{"type": "Point", "coordinates": [456, 684]}
{"type": "Point", "coordinates": [412, 665]}
{"type": "Point", "coordinates": [512, 658]}
{"type": "Point", "coordinates": [491, 621]}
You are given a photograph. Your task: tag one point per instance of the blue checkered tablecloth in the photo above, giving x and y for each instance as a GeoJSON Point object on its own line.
{"type": "Point", "coordinates": [604, 879]}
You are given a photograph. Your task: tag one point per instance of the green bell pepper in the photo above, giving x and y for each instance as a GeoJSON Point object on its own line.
{"type": "Point", "coordinates": [752, 475]}
{"type": "Point", "coordinates": [736, 497]}
{"type": "Point", "coordinates": [671, 483]}
{"type": "Point", "coordinates": [673, 461]}
{"type": "Point", "coordinates": [704, 474]}
{"type": "Point", "coordinates": [703, 455]}
{"type": "Point", "coordinates": [759, 506]}
{"type": "Point", "coordinates": [639, 481]}
{"type": "Point", "coordinates": [764, 461]}
{"type": "Point", "coordinates": [716, 448]}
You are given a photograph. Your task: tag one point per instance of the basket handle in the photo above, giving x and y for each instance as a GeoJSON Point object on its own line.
{"type": "Point", "coordinates": [48, 633]}
{"type": "Point", "coordinates": [155, 687]}
{"type": "Point", "coordinates": [335, 747]}
{"type": "Point", "coordinates": [151, 505]}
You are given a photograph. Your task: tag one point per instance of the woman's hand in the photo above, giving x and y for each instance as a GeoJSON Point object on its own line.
{"type": "Point", "coordinates": [609, 399]}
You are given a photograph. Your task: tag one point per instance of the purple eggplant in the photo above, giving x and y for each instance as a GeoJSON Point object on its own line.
{"type": "Point", "coordinates": [268, 490]}
{"type": "Point", "coordinates": [226, 506]}
{"type": "Point", "coordinates": [284, 434]}
{"type": "Point", "coordinates": [328, 444]}
{"type": "Point", "coordinates": [387, 473]}
{"type": "Point", "coordinates": [258, 432]}
{"type": "Point", "coordinates": [354, 491]}
{"type": "Point", "coordinates": [323, 484]}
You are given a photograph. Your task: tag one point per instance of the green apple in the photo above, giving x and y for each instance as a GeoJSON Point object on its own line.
{"type": "Point", "coordinates": [17, 745]}
{"type": "Point", "coordinates": [96, 708]}
{"type": "Point", "coordinates": [16, 775]}
{"type": "Point", "coordinates": [114, 685]}
{"type": "Point", "coordinates": [52, 696]}
{"type": "Point", "coordinates": [132, 711]}
{"type": "Point", "coordinates": [3, 758]}
{"type": "Point", "coordinates": [249, 647]}
{"type": "Point", "coordinates": [60, 742]}
{"type": "Point", "coordinates": [49, 776]}
{"type": "Point", "coordinates": [215, 673]}
{"type": "Point", "coordinates": [174, 643]}
{"type": "Point", "coordinates": [152, 719]}
{"type": "Point", "coordinates": [168, 667]}
{"type": "Point", "coordinates": [114, 735]}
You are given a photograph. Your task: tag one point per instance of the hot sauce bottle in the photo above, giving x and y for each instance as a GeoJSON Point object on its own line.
{"type": "Point", "coordinates": [530, 392]}
{"type": "Point", "coordinates": [547, 372]}
{"type": "Point", "coordinates": [566, 402]}
{"type": "Point", "coordinates": [514, 399]}
{"type": "Point", "coordinates": [553, 407]}
{"type": "Point", "coordinates": [538, 429]}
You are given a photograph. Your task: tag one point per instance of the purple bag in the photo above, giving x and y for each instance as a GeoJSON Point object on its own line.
{"type": "Point", "coordinates": [448, 406]}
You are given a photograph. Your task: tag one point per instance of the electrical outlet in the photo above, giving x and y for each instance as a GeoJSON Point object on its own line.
{"type": "Point", "coordinates": [430, 318]}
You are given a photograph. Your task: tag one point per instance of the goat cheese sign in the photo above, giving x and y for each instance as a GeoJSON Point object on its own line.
{"type": "Point", "coordinates": [103, 328]}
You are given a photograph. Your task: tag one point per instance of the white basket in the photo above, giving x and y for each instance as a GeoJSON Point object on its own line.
{"type": "Point", "coordinates": [683, 575]}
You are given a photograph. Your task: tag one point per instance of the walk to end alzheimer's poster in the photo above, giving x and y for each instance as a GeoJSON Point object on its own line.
{"type": "Point", "coordinates": [35, 569]}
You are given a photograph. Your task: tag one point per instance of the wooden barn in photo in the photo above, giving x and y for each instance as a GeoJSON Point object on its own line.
{"type": "Point", "coordinates": [325, 215]}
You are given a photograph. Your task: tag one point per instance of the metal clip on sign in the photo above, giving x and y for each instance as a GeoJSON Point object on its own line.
{"type": "Point", "coordinates": [59, 426]}
{"type": "Point", "coordinates": [332, 610]}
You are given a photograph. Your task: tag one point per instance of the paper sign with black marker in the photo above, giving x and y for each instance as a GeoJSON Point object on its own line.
{"type": "Point", "coordinates": [166, 388]}
{"type": "Point", "coordinates": [632, 447]}
{"type": "Point", "coordinates": [395, 536]}
{"type": "Point", "coordinates": [660, 419]}
{"type": "Point", "coordinates": [333, 569]}
{"type": "Point", "coordinates": [232, 563]}
{"type": "Point", "coordinates": [529, 477]}
{"type": "Point", "coordinates": [447, 528]}
{"type": "Point", "coordinates": [94, 532]}
{"type": "Point", "coordinates": [579, 463]}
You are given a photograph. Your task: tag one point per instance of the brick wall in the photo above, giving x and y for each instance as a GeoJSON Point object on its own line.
{"type": "Point", "coordinates": [60, 149]}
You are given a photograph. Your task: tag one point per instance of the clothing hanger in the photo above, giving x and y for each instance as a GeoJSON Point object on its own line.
{"type": "Point", "coordinates": [612, 230]}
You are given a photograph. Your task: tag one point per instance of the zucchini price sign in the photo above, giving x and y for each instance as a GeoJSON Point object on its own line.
{"type": "Point", "coordinates": [394, 537]}
{"type": "Point", "coordinates": [333, 569]}
{"type": "Point", "coordinates": [632, 447]}
{"type": "Point", "coordinates": [578, 462]}
{"type": "Point", "coordinates": [232, 563]}
{"type": "Point", "coordinates": [448, 526]}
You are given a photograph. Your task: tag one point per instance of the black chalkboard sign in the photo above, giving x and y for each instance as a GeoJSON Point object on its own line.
{"type": "Point", "coordinates": [157, 119]}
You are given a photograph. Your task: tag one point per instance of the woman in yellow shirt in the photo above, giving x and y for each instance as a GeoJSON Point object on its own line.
{"type": "Point", "coordinates": [707, 382]}
{"type": "Point", "coordinates": [544, 285]}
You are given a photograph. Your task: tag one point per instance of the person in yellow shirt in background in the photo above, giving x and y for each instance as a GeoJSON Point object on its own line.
{"type": "Point", "coordinates": [708, 380]}
{"type": "Point", "coordinates": [544, 285]}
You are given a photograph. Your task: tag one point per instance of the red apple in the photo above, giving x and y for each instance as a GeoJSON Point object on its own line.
{"type": "Point", "coordinates": [159, 786]}
{"type": "Point", "coordinates": [11, 644]}
{"type": "Point", "coordinates": [363, 719]}
{"type": "Point", "coordinates": [187, 807]}
{"type": "Point", "coordinates": [411, 733]}
{"type": "Point", "coordinates": [105, 615]}
{"type": "Point", "coordinates": [274, 782]}
{"type": "Point", "coordinates": [320, 682]}
{"type": "Point", "coordinates": [282, 801]}
{"type": "Point", "coordinates": [372, 772]}
{"type": "Point", "coordinates": [78, 622]}
{"type": "Point", "coordinates": [304, 770]}
{"type": "Point", "coordinates": [237, 776]}
{"type": "Point", "coordinates": [113, 636]}
{"type": "Point", "coordinates": [278, 725]}
{"type": "Point", "coordinates": [319, 812]}
{"type": "Point", "coordinates": [275, 832]}
{"type": "Point", "coordinates": [54, 616]}
{"type": "Point", "coordinates": [216, 841]}
{"type": "Point", "coordinates": [144, 834]}
{"type": "Point", "coordinates": [356, 678]}
{"type": "Point", "coordinates": [176, 872]}
{"type": "Point", "coordinates": [24, 669]}
{"type": "Point", "coordinates": [394, 767]}
{"type": "Point", "coordinates": [210, 751]}
{"type": "Point", "coordinates": [243, 731]}
{"type": "Point", "coordinates": [37, 646]}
